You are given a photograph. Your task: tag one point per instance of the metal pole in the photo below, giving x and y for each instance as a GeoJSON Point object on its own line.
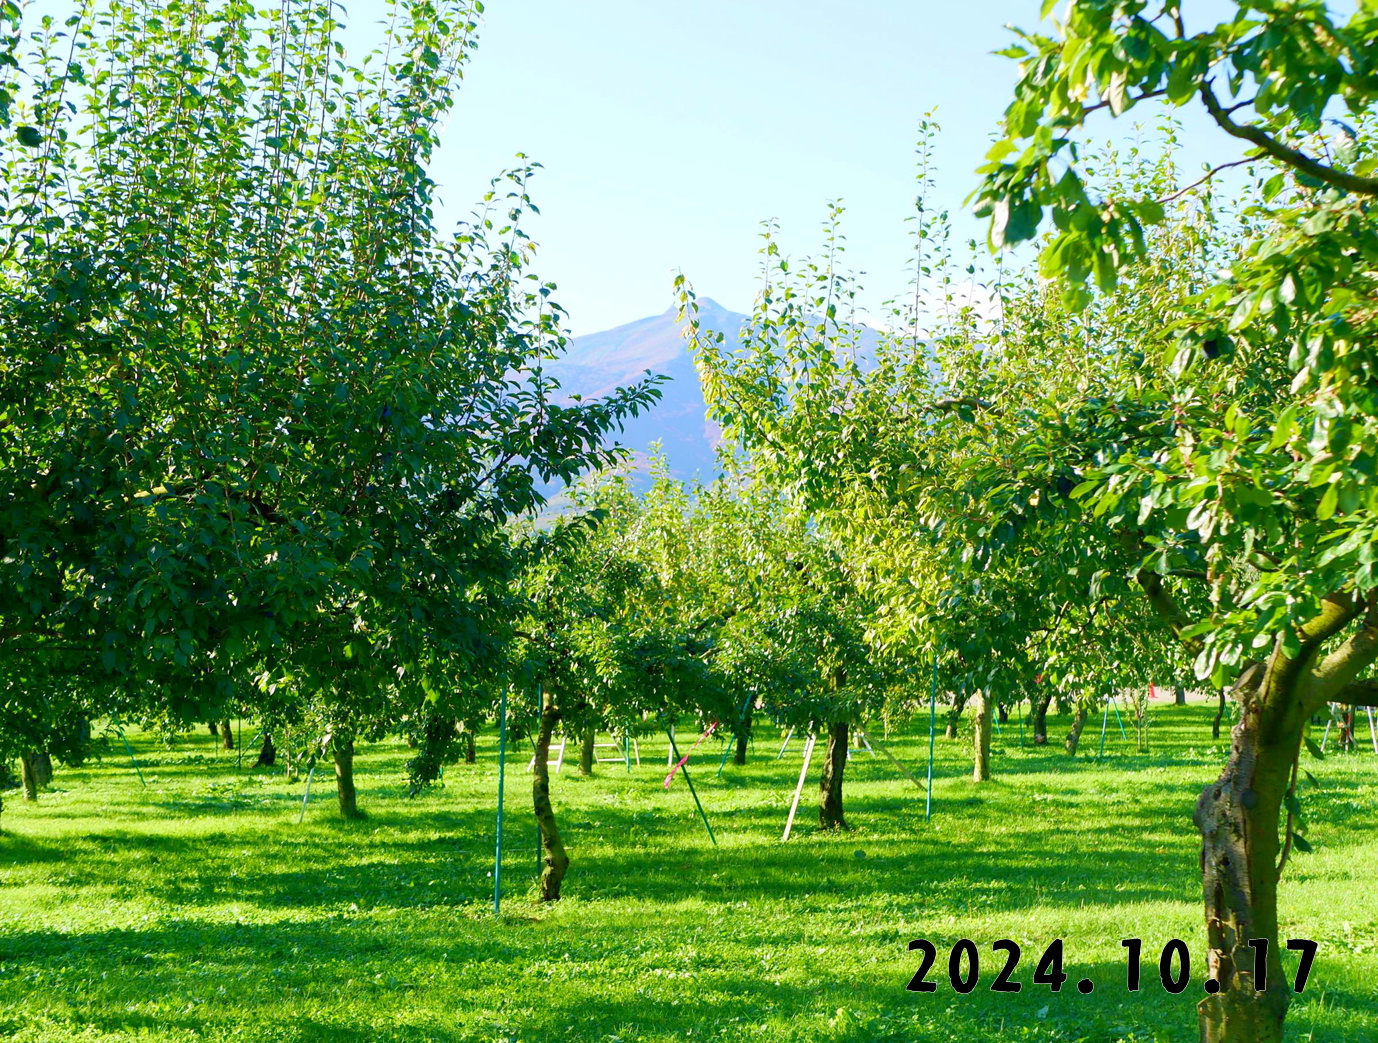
{"type": "Point", "coordinates": [132, 761]}
{"type": "Point", "coordinates": [240, 743]}
{"type": "Point", "coordinates": [1372, 731]}
{"type": "Point", "coordinates": [685, 769]}
{"type": "Point", "coordinates": [1116, 704]}
{"type": "Point", "coordinates": [932, 724]}
{"type": "Point", "coordinates": [1019, 706]}
{"type": "Point", "coordinates": [627, 748]}
{"type": "Point", "coordinates": [307, 795]}
{"type": "Point", "coordinates": [502, 764]}
{"type": "Point", "coordinates": [788, 736]}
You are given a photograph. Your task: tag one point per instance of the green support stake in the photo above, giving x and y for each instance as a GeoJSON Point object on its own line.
{"type": "Point", "coordinates": [240, 743]}
{"type": "Point", "coordinates": [627, 749]}
{"type": "Point", "coordinates": [1115, 703]}
{"type": "Point", "coordinates": [502, 763]}
{"type": "Point", "coordinates": [130, 750]}
{"type": "Point", "coordinates": [932, 724]}
{"type": "Point", "coordinates": [685, 769]}
{"type": "Point", "coordinates": [307, 795]}
{"type": "Point", "coordinates": [1104, 720]}
{"type": "Point", "coordinates": [1019, 708]}
{"type": "Point", "coordinates": [741, 719]}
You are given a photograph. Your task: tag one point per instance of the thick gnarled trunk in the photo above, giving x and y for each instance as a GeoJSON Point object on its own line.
{"type": "Point", "coordinates": [830, 815]}
{"type": "Point", "coordinates": [344, 780]}
{"type": "Point", "coordinates": [555, 860]}
{"type": "Point", "coordinates": [980, 771]}
{"type": "Point", "coordinates": [226, 735]}
{"type": "Point", "coordinates": [1238, 816]}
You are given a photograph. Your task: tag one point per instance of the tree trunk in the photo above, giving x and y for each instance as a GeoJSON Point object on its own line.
{"type": "Point", "coordinates": [1219, 715]}
{"type": "Point", "coordinates": [1238, 816]}
{"type": "Point", "coordinates": [214, 729]}
{"type": "Point", "coordinates": [226, 734]}
{"type": "Point", "coordinates": [43, 768]}
{"type": "Point", "coordinates": [586, 739]}
{"type": "Point", "coordinates": [830, 786]}
{"type": "Point", "coordinates": [1074, 736]}
{"type": "Point", "coordinates": [1002, 713]}
{"type": "Point", "coordinates": [470, 752]}
{"type": "Point", "coordinates": [268, 755]}
{"type": "Point", "coordinates": [344, 780]}
{"type": "Point", "coordinates": [28, 769]}
{"type": "Point", "coordinates": [1141, 725]}
{"type": "Point", "coordinates": [980, 771]}
{"type": "Point", "coordinates": [1179, 695]}
{"type": "Point", "coordinates": [954, 715]}
{"type": "Point", "coordinates": [1038, 712]}
{"type": "Point", "coordinates": [556, 860]}
{"type": "Point", "coordinates": [742, 737]}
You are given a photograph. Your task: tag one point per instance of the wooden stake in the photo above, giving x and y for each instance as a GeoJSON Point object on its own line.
{"type": "Point", "coordinates": [794, 805]}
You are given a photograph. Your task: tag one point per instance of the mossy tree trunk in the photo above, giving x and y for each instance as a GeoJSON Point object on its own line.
{"type": "Point", "coordinates": [344, 779]}
{"type": "Point", "coordinates": [586, 740]}
{"type": "Point", "coordinates": [981, 718]}
{"type": "Point", "coordinates": [830, 814]}
{"type": "Point", "coordinates": [1078, 723]}
{"type": "Point", "coordinates": [555, 860]}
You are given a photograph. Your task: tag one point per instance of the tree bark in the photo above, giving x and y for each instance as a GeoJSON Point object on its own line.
{"type": "Point", "coordinates": [830, 814]}
{"type": "Point", "coordinates": [28, 770]}
{"type": "Point", "coordinates": [954, 715]}
{"type": "Point", "coordinates": [1238, 816]}
{"type": "Point", "coordinates": [745, 734]}
{"type": "Point", "coordinates": [586, 739]}
{"type": "Point", "coordinates": [268, 754]}
{"type": "Point", "coordinates": [1219, 715]}
{"type": "Point", "coordinates": [1002, 713]}
{"type": "Point", "coordinates": [1074, 736]}
{"type": "Point", "coordinates": [227, 734]}
{"type": "Point", "coordinates": [1179, 695]}
{"type": "Point", "coordinates": [1038, 712]}
{"type": "Point", "coordinates": [344, 780]}
{"type": "Point", "coordinates": [470, 752]}
{"type": "Point", "coordinates": [43, 768]}
{"type": "Point", "coordinates": [980, 771]}
{"type": "Point", "coordinates": [556, 860]}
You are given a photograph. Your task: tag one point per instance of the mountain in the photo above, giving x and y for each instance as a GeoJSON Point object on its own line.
{"type": "Point", "coordinates": [598, 363]}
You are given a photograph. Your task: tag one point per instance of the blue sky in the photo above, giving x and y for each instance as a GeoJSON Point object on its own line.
{"type": "Point", "coordinates": [670, 128]}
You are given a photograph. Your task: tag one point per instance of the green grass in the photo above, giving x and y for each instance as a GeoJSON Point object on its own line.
{"type": "Point", "coordinates": [198, 908]}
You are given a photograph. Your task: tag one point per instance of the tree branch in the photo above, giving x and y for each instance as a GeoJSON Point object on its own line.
{"type": "Point", "coordinates": [1209, 174]}
{"type": "Point", "coordinates": [1284, 153]}
{"type": "Point", "coordinates": [1166, 606]}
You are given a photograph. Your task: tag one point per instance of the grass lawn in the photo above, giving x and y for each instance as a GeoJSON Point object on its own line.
{"type": "Point", "coordinates": [197, 908]}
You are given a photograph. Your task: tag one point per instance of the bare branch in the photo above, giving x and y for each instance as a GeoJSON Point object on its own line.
{"type": "Point", "coordinates": [1209, 174]}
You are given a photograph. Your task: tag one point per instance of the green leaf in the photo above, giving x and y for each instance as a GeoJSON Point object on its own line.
{"type": "Point", "coordinates": [1300, 843]}
{"type": "Point", "coordinates": [1313, 748]}
{"type": "Point", "coordinates": [29, 136]}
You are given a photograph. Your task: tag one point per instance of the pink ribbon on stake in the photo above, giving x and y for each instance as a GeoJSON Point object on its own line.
{"type": "Point", "coordinates": [685, 759]}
